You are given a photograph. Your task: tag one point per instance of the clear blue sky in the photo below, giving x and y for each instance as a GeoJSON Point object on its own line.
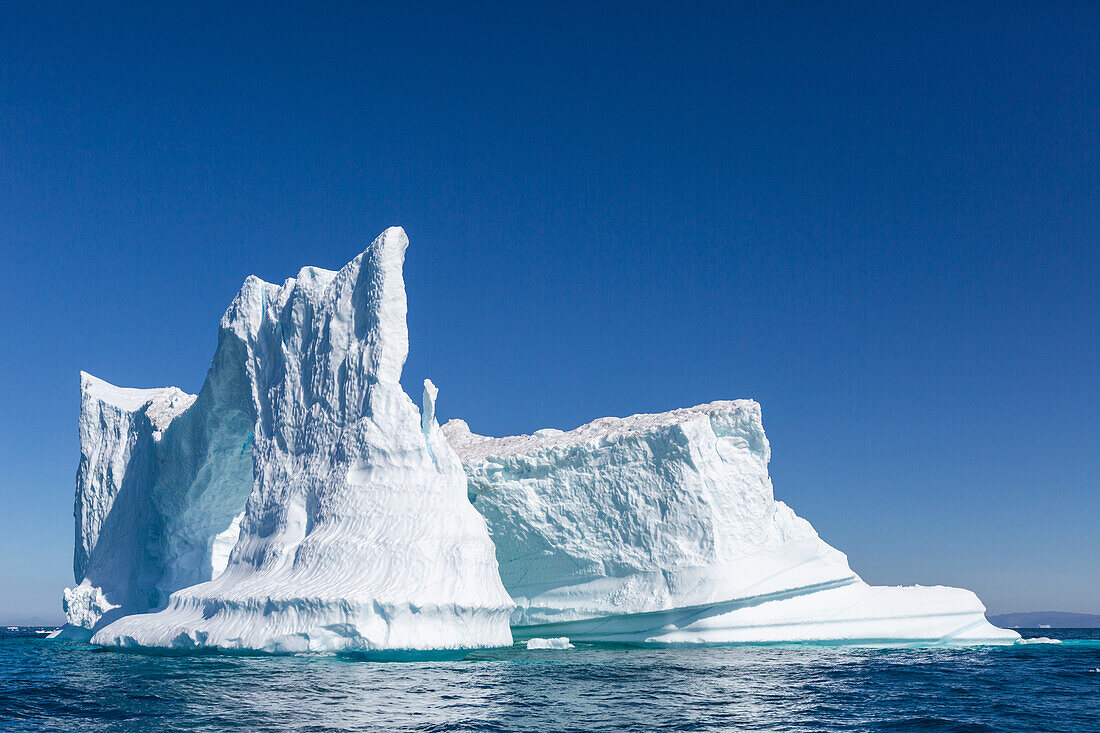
{"type": "Point", "coordinates": [880, 223]}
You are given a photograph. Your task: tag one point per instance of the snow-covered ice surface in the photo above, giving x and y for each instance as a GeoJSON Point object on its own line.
{"type": "Point", "coordinates": [664, 529]}
{"type": "Point", "coordinates": [560, 642]}
{"type": "Point", "coordinates": [300, 502]}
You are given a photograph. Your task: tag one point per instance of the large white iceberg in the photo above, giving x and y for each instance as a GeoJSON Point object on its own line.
{"type": "Point", "coordinates": [664, 529]}
{"type": "Point", "coordinates": [300, 502]}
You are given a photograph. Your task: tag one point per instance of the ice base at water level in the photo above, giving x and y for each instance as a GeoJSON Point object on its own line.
{"type": "Point", "coordinates": [804, 592]}
{"type": "Point", "coordinates": [851, 613]}
{"type": "Point", "coordinates": [366, 631]}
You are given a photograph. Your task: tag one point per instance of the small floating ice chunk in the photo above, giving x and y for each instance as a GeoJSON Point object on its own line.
{"type": "Point", "coordinates": [1039, 640]}
{"type": "Point", "coordinates": [561, 642]}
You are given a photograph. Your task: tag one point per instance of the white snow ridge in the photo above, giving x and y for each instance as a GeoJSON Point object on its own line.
{"type": "Point", "coordinates": [301, 502]}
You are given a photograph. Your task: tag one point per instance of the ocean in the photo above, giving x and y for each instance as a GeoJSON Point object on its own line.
{"type": "Point", "coordinates": [66, 686]}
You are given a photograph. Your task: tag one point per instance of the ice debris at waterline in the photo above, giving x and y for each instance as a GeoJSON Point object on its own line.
{"type": "Point", "coordinates": [663, 529]}
{"type": "Point", "coordinates": [301, 502]}
{"type": "Point", "coordinates": [561, 642]}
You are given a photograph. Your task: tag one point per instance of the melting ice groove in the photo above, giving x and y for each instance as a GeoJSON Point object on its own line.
{"type": "Point", "coordinates": [301, 502]}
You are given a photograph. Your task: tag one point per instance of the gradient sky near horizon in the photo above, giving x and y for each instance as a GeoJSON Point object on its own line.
{"type": "Point", "coordinates": [880, 222]}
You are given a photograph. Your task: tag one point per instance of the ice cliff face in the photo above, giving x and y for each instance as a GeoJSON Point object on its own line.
{"type": "Point", "coordinates": [300, 502]}
{"type": "Point", "coordinates": [663, 528]}
{"type": "Point", "coordinates": [119, 433]}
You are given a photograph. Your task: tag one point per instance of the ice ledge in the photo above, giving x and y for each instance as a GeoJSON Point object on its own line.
{"type": "Point", "coordinates": [164, 403]}
{"type": "Point", "coordinates": [847, 612]}
{"type": "Point", "coordinates": [730, 416]}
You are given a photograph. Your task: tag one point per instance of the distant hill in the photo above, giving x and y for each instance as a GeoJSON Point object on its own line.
{"type": "Point", "coordinates": [34, 621]}
{"type": "Point", "coordinates": [1053, 619]}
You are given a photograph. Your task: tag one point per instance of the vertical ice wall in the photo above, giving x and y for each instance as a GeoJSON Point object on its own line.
{"type": "Point", "coordinates": [117, 527]}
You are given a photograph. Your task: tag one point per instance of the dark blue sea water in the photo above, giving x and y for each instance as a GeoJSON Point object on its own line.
{"type": "Point", "coordinates": [52, 685]}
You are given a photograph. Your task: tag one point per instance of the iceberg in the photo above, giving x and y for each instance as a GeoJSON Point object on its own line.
{"type": "Point", "coordinates": [663, 529]}
{"type": "Point", "coordinates": [119, 433]}
{"type": "Point", "coordinates": [560, 642]}
{"type": "Point", "coordinates": [299, 502]}
{"type": "Point", "coordinates": [302, 502]}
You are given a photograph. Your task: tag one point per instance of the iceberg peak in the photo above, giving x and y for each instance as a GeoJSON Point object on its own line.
{"type": "Point", "coordinates": [298, 503]}
{"type": "Point", "coordinates": [428, 412]}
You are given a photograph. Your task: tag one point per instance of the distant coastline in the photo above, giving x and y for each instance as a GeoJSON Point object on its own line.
{"type": "Point", "coordinates": [1051, 619]}
{"type": "Point", "coordinates": [34, 622]}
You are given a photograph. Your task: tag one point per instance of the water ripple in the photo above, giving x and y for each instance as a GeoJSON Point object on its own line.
{"type": "Point", "coordinates": [67, 686]}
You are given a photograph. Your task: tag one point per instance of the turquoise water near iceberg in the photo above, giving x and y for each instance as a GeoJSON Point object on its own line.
{"type": "Point", "coordinates": [67, 686]}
